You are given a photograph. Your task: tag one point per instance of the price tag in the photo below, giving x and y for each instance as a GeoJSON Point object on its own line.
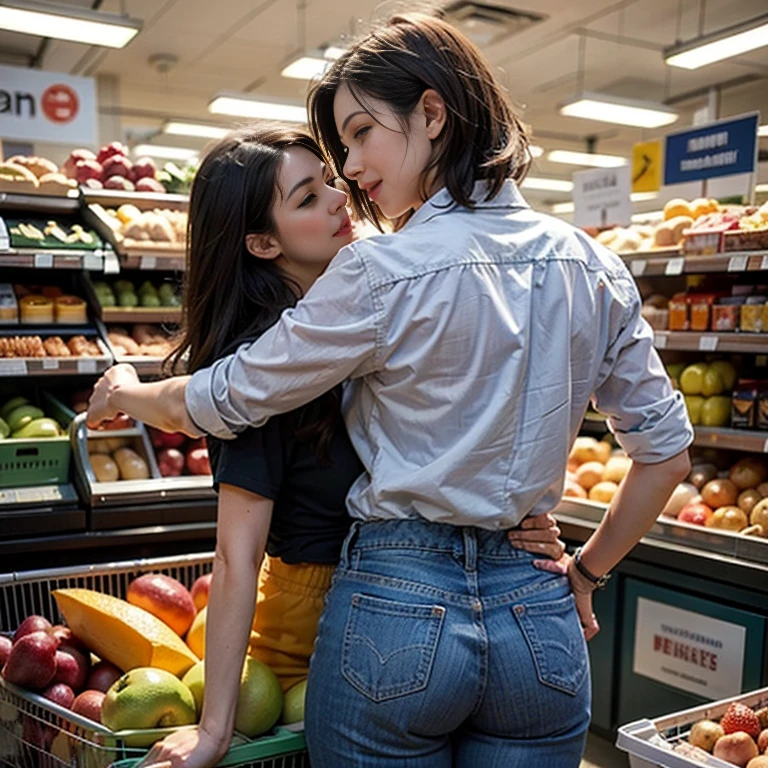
{"type": "Point", "coordinates": [148, 262]}
{"type": "Point", "coordinates": [43, 260]}
{"type": "Point", "coordinates": [50, 364]}
{"type": "Point", "coordinates": [738, 263]}
{"type": "Point", "coordinates": [86, 365]}
{"type": "Point", "coordinates": [675, 266]}
{"type": "Point", "coordinates": [764, 262]}
{"type": "Point", "coordinates": [660, 340]}
{"type": "Point", "coordinates": [638, 267]}
{"type": "Point", "coordinates": [92, 262]}
{"type": "Point", "coordinates": [13, 367]}
{"type": "Point", "coordinates": [708, 343]}
{"type": "Point", "coordinates": [111, 264]}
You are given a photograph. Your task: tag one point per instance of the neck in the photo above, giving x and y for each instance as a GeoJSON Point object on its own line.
{"type": "Point", "coordinates": [303, 276]}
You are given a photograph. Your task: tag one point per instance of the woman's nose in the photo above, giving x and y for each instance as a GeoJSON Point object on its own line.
{"type": "Point", "coordinates": [352, 165]}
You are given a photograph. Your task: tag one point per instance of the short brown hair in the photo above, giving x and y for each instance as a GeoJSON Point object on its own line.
{"type": "Point", "coordinates": [483, 137]}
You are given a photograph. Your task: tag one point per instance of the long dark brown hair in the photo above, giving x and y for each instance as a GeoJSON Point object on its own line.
{"type": "Point", "coordinates": [483, 138]}
{"type": "Point", "coordinates": [230, 295]}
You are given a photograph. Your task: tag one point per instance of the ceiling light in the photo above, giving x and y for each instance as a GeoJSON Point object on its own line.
{"type": "Point", "coordinates": [167, 153]}
{"type": "Point", "coordinates": [306, 68]}
{"type": "Point", "coordinates": [720, 45]}
{"type": "Point", "coordinates": [547, 185]}
{"type": "Point", "coordinates": [65, 22]}
{"type": "Point", "coordinates": [762, 130]}
{"type": "Point", "coordinates": [334, 52]}
{"type": "Point", "coordinates": [611, 109]}
{"type": "Point", "coordinates": [559, 208]}
{"type": "Point", "coordinates": [244, 106]}
{"type": "Point", "coordinates": [586, 158]}
{"type": "Point", "coordinates": [197, 130]}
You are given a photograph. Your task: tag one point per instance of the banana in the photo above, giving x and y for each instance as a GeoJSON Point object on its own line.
{"type": "Point", "coordinates": [18, 172]}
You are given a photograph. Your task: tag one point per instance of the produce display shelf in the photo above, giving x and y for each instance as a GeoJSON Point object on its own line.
{"type": "Point", "coordinates": [31, 201]}
{"type": "Point", "coordinates": [711, 342]}
{"type": "Point", "coordinates": [153, 259]}
{"type": "Point", "coordinates": [731, 439]}
{"type": "Point", "coordinates": [748, 549]}
{"type": "Point", "coordinates": [56, 366]}
{"type": "Point", "coordinates": [53, 259]}
{"type": "Point", "coordinates": [141, 314]}
{"type": "Point", "coordinates": [115, 197]}
{"type": "Point", "coordinates": [145, 366]}
{"type": "Point", "coordinates": [654, 264]}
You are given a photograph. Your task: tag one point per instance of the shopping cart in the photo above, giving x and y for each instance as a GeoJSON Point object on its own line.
{"type": "Point", "coordinates": [36, 733]}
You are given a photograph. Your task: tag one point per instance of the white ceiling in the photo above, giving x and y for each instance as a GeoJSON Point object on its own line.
{"type": "Point", "coordinates": [240, 45]}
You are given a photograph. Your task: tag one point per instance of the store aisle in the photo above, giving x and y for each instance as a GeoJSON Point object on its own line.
{"type": "Point", "coordinates": [601, 753]}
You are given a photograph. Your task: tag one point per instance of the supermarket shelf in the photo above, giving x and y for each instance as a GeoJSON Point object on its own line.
{"type": "Point", "coordinates": [53, 366]}
{"type": "Point", "coordinates": [711, 342]}
{"type": "Point", "coordinates": [63, 259]}
{"type": "Point", "coordinates": [731, 439]}
{"type": "Point", "coordinates": [174, 261]}
{"type": "Point", "coordinates": [145, 366]}
{"type": "Point", "coordinates": [115, 197]}
{"type": "Point", "coordinates": [141, 315]}
{"type": "Point", "coordinates": [668, 263]}
{"type": "Point", "coordinates": [41, 203]}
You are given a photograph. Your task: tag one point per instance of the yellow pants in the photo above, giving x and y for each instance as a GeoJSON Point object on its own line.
{"type": "Point", "coordinates": [288, 607]}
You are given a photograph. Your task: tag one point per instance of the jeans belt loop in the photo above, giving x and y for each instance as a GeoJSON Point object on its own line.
{"type": "Point", "coordinates": [348, 543]}
{"type": "Point", "coordinates": [470, 548]}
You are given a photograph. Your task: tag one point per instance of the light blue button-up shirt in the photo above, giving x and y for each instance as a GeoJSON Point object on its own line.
{"type": "Point", "coordinates": [473, 341]}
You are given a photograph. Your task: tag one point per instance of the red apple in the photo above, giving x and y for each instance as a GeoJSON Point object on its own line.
{"type": "Point", "coordinates": [117, 165]}
{"type": "Point", "coordinates": [88, 704]}
{"type": "Point", "coordinates": [37, 733]}
{"type": "Point", "coordinates": [120, 183]}
{"type": "Point", "coordinates": [31, 624]}
{"type": "Point", "coordinates": [121, 421]}
{"type": "Point", "coordinates": [87, 169]}
{"type": "Point", "coordinates": [101, 676]}
{"type": "Point", "coordinates": [170, 462]}
{"type": "Point", "coordinates": [109, 150]}
{"type": "Point", "coordinates": [162, 439]}
{"type": "Point", "coordinates": [59, 693]}
{"type": "Point", "coordinates": [762, 741]}
{"type": "Point", "coordinates": [143, 168]}
{"type": "Point", "coordinates": [65, 637]}
{"type": "Point", "coordinates": [68, 169]}
{"type": "Point", "coordinates": [5, 648]}
{"type": "Point", "coordinates": [92, 184]}
{"type": "Point", "coordinates": [164, 597]}
{"type": "Point", "coordinates": [146, 184]}
{"type": "Point", "coordinates": [695, 512]}
{"type": "Point", "coordinates": [198, 462]}
{"type": "Point", "coordinates": [32, 661]}
{"type": "Point", "coordinates": [72, 667]}
{"type": "Point", "coordinates": [200, 591]}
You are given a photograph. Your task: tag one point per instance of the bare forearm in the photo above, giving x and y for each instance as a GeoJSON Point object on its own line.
{"type": "Point", "coordinates": [228, 624]}
{"type": "Point", "coordinates": [160, 404]}
{"type": "Point", "coordinates": [633, 511]}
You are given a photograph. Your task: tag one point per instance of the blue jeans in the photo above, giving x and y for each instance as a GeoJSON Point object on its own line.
{"type": "Point", "coordinates": [443, 647]}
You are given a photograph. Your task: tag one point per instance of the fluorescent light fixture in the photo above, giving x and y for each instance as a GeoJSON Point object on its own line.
{"type": "Point", "coordinates": [167, 153]}
{"type": "Point", "coordinates": [306, 68]}
{"type": "Point", "coordinates": [198, 130]}
{"type": "Point", "coordinates": [586, 158]}
{"type": "Point", "coordinates": [639, 218]}
{"type": "Point", "coordinates": [535, 150]}
{"type": "Point", "coordinates": [762, 130]}
{"type": "Point", "coordinates": [611, 109]}
{"type": "Point", "coordinates": [245, 106]}
{"type": "Point", "coordinates": [67, 22]}
{"type": "Point", "coordinates": [728, 42]}
{"type": "Point", "coordinates": [559, 208]}
{"type": "Point", "coordinates": [761, 188]}
{"type": "Point", "coordinates": [547, 185]}
{"type": "Point", "coordinates": [636, 197]}
{"type": "Point", "coordinates": [334, 52]}
{"type": "Point", "coordinates": [642, 197]}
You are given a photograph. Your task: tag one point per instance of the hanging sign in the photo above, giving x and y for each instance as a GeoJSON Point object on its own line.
{"type": "Point", "coordinates": [601, 197]}
{"type": "Point", "coordinates": [47, 106]}
{"type": "Point", "coordinates": [646, 166]}
{"type": "Point", "coordinates": [724, 148]}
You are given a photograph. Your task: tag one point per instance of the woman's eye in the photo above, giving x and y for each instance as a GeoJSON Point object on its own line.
{"type": "Point", "coordinates": [307, 200]}
{"type": "Point", "coordinates": [333, 181]}
{"type": "Point", "coordinates": [360, 132]}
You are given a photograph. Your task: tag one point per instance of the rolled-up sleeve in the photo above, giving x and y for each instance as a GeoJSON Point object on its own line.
{"type": "Point", "coordinates": [647, 416]}
{"type": "Point", "coordinates": [330, 336]}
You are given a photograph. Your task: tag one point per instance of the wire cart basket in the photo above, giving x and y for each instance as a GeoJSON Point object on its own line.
{"type": "Point", "coordinates": [36, 733]}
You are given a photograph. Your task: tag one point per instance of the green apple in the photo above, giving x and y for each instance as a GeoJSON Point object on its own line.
{"type": "Point", "coordinates": [726, 371]}
{"type": "Point", "coordinates": [673, 371]}
{"type": "Point", "coordinates": [692, 379]}
{"type": "Point", "coordinates": [194, 679]}
{"type": "Point", "coordinates": [293, 703]}
{"type": "Point", "coordinates": [260, 700]}
{"type": "Point", "coordinates": [716, 412]}
{"type": "Point", "coordinates": [712, 383]}
{"type": "Point", "coordinates": [694, 405]}
{"type": "Point", "coordinates": [147, 697]}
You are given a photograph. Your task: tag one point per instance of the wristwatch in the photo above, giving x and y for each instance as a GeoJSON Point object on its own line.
{"type": "Point", "coordinates": [599, 582]}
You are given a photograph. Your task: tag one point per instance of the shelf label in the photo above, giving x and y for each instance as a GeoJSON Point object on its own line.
{"type": "Point", "coordinates": [148, 262]}
{"type": "Point", "coordinates": [638, 267]}
{"type": "Point", "coordinates": [675, 266]}
{"type": "Point", "coordinates": [50, 364]}
{"type": "Point", "coordinates": [738, 263]}
{"type": "Point", "coordinates": [86, 365]}
{"type": "Point", "coordinates": [111, 264]}
{"type": "Point", "coordinates": [43, 260]}
{"type": "Point", "coordinates": [92, 262]}
{"type": "Point", "coordinates": [660, 340]}
{"type": "Point", "coordinates": [708, 343]}
{"type": "Point", "coordinates": [13, 367]}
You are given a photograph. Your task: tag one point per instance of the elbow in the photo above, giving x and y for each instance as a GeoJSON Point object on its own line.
{"type": "Point", "coordinates": [679, 467]}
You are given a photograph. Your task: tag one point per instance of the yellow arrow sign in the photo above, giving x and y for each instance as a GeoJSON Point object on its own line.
{"type": "Point", "coordinates": [647, 166]}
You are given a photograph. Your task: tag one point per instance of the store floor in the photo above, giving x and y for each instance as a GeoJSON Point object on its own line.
{"type": "Point", "coordinates": [603, 754]}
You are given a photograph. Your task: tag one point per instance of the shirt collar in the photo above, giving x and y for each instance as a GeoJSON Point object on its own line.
{"type": "Point", "coordinates": [441, 202]}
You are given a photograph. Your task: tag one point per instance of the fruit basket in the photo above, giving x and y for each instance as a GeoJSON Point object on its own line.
{"type": "Point", "coordinates": [36, 733]}
{"type": "Point", "coordinates": [651, 743]}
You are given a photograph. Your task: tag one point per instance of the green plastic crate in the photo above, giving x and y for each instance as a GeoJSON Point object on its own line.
{"type": "Point", "coordinates": [38, 461]}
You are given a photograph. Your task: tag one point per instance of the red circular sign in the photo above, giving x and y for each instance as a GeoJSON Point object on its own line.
{"type": "Point", "coordinates": [60, 103]}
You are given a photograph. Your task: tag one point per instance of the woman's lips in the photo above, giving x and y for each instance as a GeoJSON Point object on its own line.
{"type": "Point", "coordinates": [374, 190]}
{"type": "Point", "coordinates": [344, 229]}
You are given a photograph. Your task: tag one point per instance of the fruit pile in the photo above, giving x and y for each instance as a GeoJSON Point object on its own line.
{"type": "Point", "coordinates": [707, 390]}
{"type": "Point", "coordinates": [125, 663]}
{"type": "Point", "coordinates": [740, 738]}
{"type": "Point", "coordinates": [22, 173]}
{"type": "Point", "coordinates": [177, 454]}
{"type": "Point", "coordinates": [143, 340]}
{"type": "Point", "coordinates": [50, 346]}
{"type": "Point", "coordinates": [50, 233]}
{"type": "Point", "coordinates": [111, 169]}
{"type": "Point", "coordinates": [595, 470]}
{"type": "Point", "coordinates": [123, 293]}
{"type": "Point", "coordinates": [20, 420]}
{"type": "Point", "coordinates": [113, 459]}
{"type": "Point", "coordinates": [163, 226]}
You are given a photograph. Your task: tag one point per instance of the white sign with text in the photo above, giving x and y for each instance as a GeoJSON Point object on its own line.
{"type": "Point", "coordinates": [687, 650]}
{"type": "Point", "coordinates": [601, 197]}
{"type": "Point", "coordinates": [47, 106]}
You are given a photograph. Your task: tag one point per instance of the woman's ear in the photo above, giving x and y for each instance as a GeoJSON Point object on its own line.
{"type": "Point", "coordinates": [435, 112]}
{"type": "Point", "coordinates": [262, 246]}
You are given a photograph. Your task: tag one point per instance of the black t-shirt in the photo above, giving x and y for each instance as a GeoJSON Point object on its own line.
{"type": "Point", "coordinates": [309, 519]}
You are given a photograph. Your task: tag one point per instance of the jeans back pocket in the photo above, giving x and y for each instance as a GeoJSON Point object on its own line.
{"type": "Point", "coordinates": [556, 640]}
{"type": "Point", "coordinates": [389, 646]}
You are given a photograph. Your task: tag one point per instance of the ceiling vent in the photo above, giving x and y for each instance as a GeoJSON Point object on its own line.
{"type": "Point", "coordinates": [487, 25]}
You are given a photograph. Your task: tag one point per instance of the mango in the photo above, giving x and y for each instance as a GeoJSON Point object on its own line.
{"type": "Point", "coordinates": [5, 430]}
{"type": "Point", "coordinates": [43, 427]}
{"type": "Point", "coordinates": [22, 415]}
{"type": "Point", "coordinates": [123, 634]}
{"type": "Point", "coordinates": [11, 405]}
